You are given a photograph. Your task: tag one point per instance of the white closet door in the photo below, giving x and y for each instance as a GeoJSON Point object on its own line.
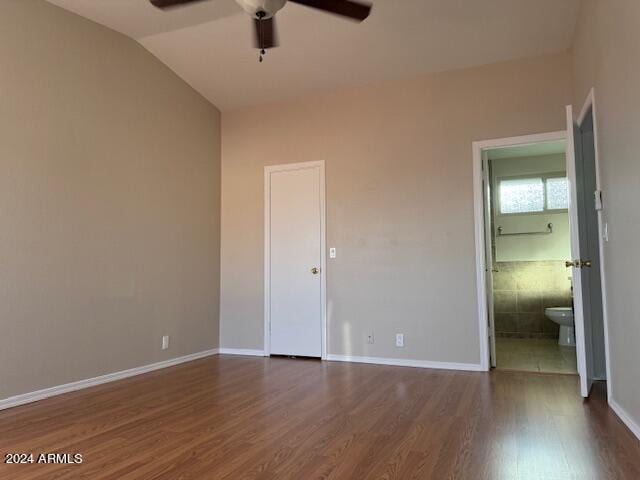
{"type": "Point", "coordinates": [295, 258]}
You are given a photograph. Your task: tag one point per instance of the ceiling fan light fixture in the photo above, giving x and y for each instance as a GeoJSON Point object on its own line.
{"type": "Point", "coordinates": [263, 13]}
{"type": "Point", "coordinates": [267, 8]}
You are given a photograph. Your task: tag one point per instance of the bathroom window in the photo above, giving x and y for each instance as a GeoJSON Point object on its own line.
{"type": "Point", "coordinates": [521, 195]}
{"type": "Point", "coordinates": [557, 193]}
{"type": "Point", "coordinates": [535, 194]}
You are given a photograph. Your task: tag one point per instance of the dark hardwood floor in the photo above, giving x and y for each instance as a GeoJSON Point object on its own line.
{"type": "Point", "coordinates": [238, 417]}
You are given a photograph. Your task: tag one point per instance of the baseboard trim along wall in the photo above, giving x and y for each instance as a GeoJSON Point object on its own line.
{"type": "Point", "coordinates": [92, 382]}
{"type": "Point", "coordinates": [403, 362]}
{"type": "Point", "coordinates": [241, 351]}
{"type": "Point", "coordinates": [625, 417]}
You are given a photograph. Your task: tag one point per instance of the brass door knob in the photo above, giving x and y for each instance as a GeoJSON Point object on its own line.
{"type": "Point", "coordinates": [315, 270]}
{"type": "Point", "coordinates": [578, 263]}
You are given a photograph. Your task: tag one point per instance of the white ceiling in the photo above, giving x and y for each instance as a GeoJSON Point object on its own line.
{"type": "Point", "coordinates": [209, 44]}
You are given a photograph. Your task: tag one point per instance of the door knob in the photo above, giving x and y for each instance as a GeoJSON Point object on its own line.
{"type": "Point", "coordinates": [315, 270]}
{"type": "Point", "coordinates": [578, 263]}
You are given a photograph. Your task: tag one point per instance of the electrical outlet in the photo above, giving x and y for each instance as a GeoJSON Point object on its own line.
{"type": "Point", "coordinates": [399, 339]}
{"type": "Point", "coordinates": [165, 342]}
{"type": "Point", "coordinates": [370, 339]}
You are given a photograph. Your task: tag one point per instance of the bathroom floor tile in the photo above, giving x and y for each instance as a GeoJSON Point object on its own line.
{"type": "Point", "coordinates": [535, 355]}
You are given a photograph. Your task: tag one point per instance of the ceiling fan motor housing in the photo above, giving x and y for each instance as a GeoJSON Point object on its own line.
{"type": "Point", "coordinates": [269, 7]}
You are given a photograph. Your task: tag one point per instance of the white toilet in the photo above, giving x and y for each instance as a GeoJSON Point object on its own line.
{"type": "Point", "coordinates": [563, 316]}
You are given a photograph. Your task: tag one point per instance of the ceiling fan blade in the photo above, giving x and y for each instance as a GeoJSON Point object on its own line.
{"type": "Point", "coordinates": [265, 33]}
{"type": "Point", "coordinates": [347, 8]}
{"type": "Point", "coordinates": [172, 3]}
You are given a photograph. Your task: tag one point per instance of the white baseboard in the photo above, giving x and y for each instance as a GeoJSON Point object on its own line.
{"type": "Point", "coordinates": [625, 417]}
{"type": "Point", "coordinates": [92, 382]}
{"type": "Point", "coordinates": [30, 397]}
{"type": "Point", "coordinates": [403, 362]}
{"type": "Point", "coordinates": [241, 351]}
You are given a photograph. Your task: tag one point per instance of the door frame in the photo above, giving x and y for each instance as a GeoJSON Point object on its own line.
{"type": "Point", "coordinates": [268, 170]}
{"type": "Point", "coordinates": [479, 147]}
{"type": "Point", "coordinates": [590, 104]}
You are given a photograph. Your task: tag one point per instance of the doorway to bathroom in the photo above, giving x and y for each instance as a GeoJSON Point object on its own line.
{"type": "Point", "coordinates": [540, 235]}
{"type": "Point", "coordinates": [529, 235]}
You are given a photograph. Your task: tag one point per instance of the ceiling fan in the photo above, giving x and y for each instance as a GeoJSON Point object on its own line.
{"type": "Point", "coordinates": [263, 12]}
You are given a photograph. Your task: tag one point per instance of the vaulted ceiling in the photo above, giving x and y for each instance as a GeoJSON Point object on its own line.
{"type": "Point", "coordinates": [209, 44]}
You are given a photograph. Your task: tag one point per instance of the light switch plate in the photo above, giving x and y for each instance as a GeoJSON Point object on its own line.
{"type": "Point", "coordinates": [598, 200]}
{"type": "Point", "coordinates": [332, 252]}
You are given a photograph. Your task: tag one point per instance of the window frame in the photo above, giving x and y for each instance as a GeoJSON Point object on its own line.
{"type": "Point", "coordinates": [544, 177]}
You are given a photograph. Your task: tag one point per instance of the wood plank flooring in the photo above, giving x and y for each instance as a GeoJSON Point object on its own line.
{"type": "Point", "coordinates": [235, 418]}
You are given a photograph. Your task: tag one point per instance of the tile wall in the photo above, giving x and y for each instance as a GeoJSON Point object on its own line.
{"type": "Point", "coordinates": [522, 290]}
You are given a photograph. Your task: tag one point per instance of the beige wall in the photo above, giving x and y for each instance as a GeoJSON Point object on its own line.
{"type": "Point", "coordinates": [606, 57]}
{"type": "Point", "coordinates": [399, 198]}
{"type": "Point", "coordinates": [109, 203]}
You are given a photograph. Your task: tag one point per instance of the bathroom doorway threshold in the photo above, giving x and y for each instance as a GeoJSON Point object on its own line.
{"type": "Point", "coordinates": [535, 355]}
{"type": "Point", "coordinates": [532, 372]}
